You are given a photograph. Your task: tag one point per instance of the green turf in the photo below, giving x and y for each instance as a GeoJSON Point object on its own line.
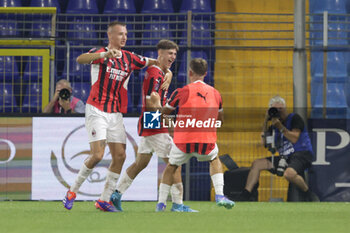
{"type": "Point", "coordinates": [140, 217]}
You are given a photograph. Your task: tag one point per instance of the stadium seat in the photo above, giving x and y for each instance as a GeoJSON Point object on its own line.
{"type": "Point", "coordinates": [336, 72]}
{"type": "Point", "coordinates": [195, 6]}
{"type": "Point", "coordinates": [157, 6]}
{"type": "Point", "coordinates": [82, 32]}
{"type": "Point", "coordinates": [155, 31]}
{"type": "Point", "coordinates": [7, 98]}
{"type": "Point", "coordinates": [10, 3]}
{"type": "Point", "coordinates": [336, 102]}
{"type": "Point", "coordinates": [201, 35]}
{"type": "Point", "coordinates": [81, 90]}
{"type": "Point", "coordinates": [82, 7]}
{"type": "Point", "coordinates": [9, 23]}
{"type": "Point", "coordinates": [318, 6]}
{"type": "Point", "coordinates": [9, 28]}
{"type": "Point", "coordinates": [33, 69]}
{"type": "Point", "coordinates": [77, 72]}
{"type": "Point", "coordinates": [337, 30]}
{"type": "Point", "coordinates": [8, 69]}
{"type": "Point", "coordinates": [46, 3]}
{"type": "Point", "coordinates": [32, 98]}
{"type": "Point", "coordinates": [119, 7]}
{"type": "Point", "coordinates": [182, 73]}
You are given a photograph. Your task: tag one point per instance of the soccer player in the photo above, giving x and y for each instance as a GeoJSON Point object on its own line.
{"type": "Point", "coordinates": [200, 112]}
{"type": "Point", "coordinates": [154, 140]}
{"type": "Point", "coordinates": [111, 68]}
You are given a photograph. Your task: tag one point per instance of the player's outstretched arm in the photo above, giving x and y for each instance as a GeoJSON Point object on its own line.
{"type": "Point", "coordinates": [153, 62]}
{"type": "Point", "coordinates": [87, 58]}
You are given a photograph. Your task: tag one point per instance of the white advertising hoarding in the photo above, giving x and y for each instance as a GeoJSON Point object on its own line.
{"type": "Point", "coordinates": [60, 146]}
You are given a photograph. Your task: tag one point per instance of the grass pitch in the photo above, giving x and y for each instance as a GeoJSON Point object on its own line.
{"type": "Point", "coordinates": [51, 217]}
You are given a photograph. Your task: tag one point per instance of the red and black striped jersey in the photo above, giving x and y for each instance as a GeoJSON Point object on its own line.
{"type": "Point", "coordinates": [154, 78]}
{"type": "Point", "coordinates": [109, 80]}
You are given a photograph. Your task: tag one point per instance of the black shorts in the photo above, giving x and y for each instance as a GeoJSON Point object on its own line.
{"type": "Point", "coordinates": [299, 161]}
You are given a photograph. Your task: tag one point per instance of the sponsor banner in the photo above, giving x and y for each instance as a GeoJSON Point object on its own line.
{"type": "Point", "coordinates": [15, 158]}
{"type": "Point", "coordinates": [330, 172]}
{"type": "Point", "coordinates": [60, 146]}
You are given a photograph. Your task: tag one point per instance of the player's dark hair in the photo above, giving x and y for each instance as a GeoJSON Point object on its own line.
{"type": "Point", "coordinates": [199, 66]}
{"type": "Point", "coordinates": [167, 44]}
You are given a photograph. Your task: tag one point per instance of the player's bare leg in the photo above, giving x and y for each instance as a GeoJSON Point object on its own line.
{"type": "Point", "coordinates": [177, 186]}
{"type": "Point", "coordinates": [141, 162]}
{"type": "Point", "coordinates": [118, 157]}
{"type": "Point", "coordinates": [96, 154]}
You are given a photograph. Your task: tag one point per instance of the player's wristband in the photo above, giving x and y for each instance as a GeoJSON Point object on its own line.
{"type": "Point", "coordinates": [103, 54]}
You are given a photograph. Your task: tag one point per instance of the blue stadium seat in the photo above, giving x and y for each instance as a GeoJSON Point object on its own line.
{"type": "Point", "coordinates": [82, 7]}
{"type": "Point", "coordinates": [182, 73]}
{"type": "Point", "coordinates": [200, 35]}
{"type": "Point", "coordinates": [336, 82]}
{"type": "Point", "coordinates": [10, 3]}
{"type": "Point", "coordinates": [81, 90]}
{"type": "Point", "coordinates": [337, 30]}
{"type": "Point", "coordinates": [119, 7]}
{"type": "Point", "coordinates": [41, 26]}
{"type": "Point", "coordinates": [77, 72]}
{"type": "Point", "coordinates": [46, 3]}
{"type": "Point", "coordinates": [9, 28]}
{"type": "Point", "coordinates": [82, 32]}
{"type": "Point", "coordinates": [195, 6]}
{"type": "Point", "coordinates": [336, 102]}
{"type": "Point", "coordinates": [32, 98]}
{"type": "Point", "coordinates": [157, 6]}
{"type": "Point", "coordinates": [9, 69]}
{"type": "Point", "coordinates": [154, 32]}
{"type": "Point", "coordinates": [318, 6]}
{"type": "Point", "coordinates": [336, 71]}
{"type": "Point", "coordinates": [33, 69]}
{"type": "Point", "coordinates": [7, 98]}
{"type": "Point", "coordinates": [9, 23]}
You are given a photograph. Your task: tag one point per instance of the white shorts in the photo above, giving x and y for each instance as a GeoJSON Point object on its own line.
{"type": "Point", "coordinates": [104, 126]}
{"type": "Point", "coordinates": [178, 157]}
{"type": "Point", "coordinates": [158, 143]}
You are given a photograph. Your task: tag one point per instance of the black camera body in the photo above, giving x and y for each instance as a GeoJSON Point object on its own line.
{"type": "Point", "coordinates": [273, 113]}
{"type": "Point", "coordinates": [64, 94]}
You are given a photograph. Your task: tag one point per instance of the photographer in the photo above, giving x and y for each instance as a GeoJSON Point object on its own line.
{"type": "Point", "coordinates": [287, 134]}
{"type": "Point", "coordinates": [63, 101]}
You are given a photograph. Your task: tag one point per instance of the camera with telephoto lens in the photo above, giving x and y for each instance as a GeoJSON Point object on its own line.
{"type": "Point", "coordinates": [282, 165]}
{"type": "Point", "coordinates": [273, 113]}
{"type": "Point", "coordinates": [64, 94]}
{"type": "Point", "coordinates": [269, 140]}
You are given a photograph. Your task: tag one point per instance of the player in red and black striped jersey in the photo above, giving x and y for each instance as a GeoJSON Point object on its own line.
{"type": "Point", "coordinates": [153, 140]}
{"type": "Point", "coordinates": [111, 68]}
